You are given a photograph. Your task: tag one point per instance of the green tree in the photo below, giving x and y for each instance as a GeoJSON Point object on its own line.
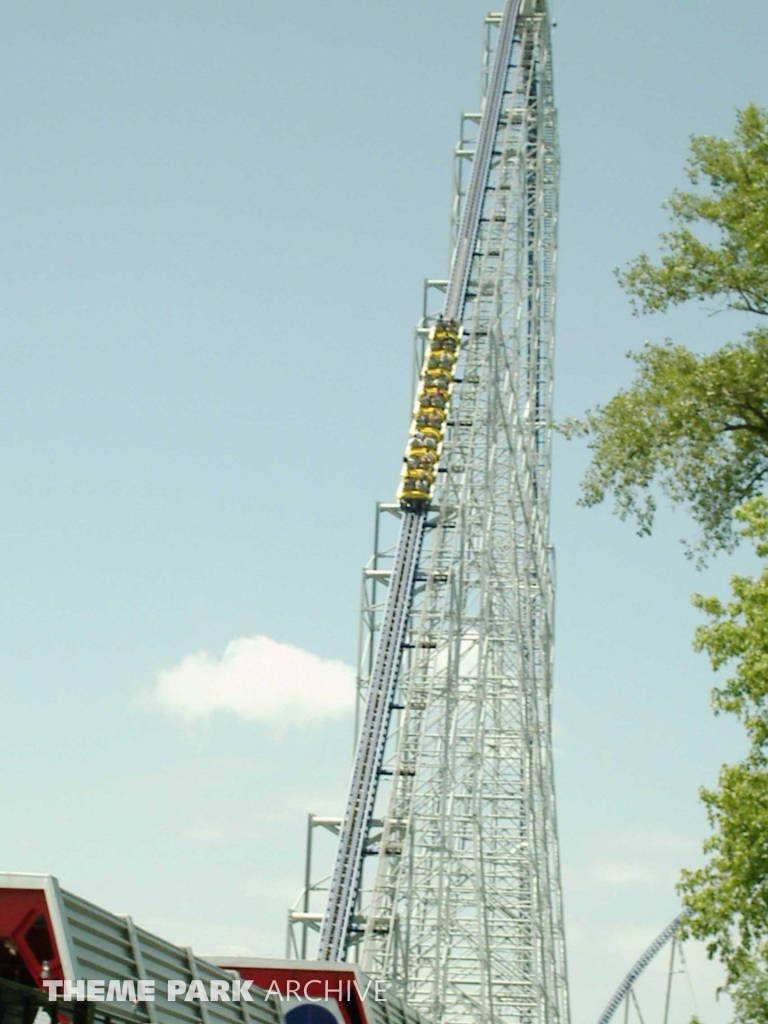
{"type": "Point", "coordinates": [694, 425]}
{"type": "Point", "coordinates": [727, 899]}
{"type": "Point", "coordinates": [695, 428]}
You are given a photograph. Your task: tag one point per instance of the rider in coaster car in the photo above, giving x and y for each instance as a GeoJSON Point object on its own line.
{"type": "Point", "coordinates": [433, 399]}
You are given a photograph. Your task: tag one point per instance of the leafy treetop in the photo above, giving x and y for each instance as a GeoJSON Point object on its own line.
{"type": "Point", "coordinates": [696, 425]}
{"type": "Point", "coordinates": [735, 270]}
{"type": "Point", "coordinates": [727, 899]}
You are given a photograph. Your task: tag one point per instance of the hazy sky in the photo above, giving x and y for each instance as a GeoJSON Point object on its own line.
{"type": "Point", "coordinates": [216, 220]}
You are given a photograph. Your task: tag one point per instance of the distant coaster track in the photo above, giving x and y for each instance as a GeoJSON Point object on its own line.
{"type": "Point", "coordinates": [638, 967]}
{"type": "Point", "coordinates": [421, 463]}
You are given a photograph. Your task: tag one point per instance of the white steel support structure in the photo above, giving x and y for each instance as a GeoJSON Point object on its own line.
{"type": "Point", "coordinates": [457, 878]}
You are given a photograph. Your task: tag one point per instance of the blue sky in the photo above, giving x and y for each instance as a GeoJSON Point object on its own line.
{"type": "Point", "coordinates": [216, 220]}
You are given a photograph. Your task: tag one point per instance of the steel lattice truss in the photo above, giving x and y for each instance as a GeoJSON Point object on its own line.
{"type": "Point", "coordinates": [461, 907]}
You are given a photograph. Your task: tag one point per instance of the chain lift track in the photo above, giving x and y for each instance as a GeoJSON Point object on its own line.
{"type": "Point", "coordinates": [370, 749]}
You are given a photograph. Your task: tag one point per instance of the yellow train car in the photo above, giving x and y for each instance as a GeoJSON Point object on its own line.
{"type": "Point", "coordinates": [430, 414]}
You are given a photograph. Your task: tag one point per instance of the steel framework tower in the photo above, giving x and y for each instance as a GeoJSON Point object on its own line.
{"type": "Point", "coordinates": [447, 877]}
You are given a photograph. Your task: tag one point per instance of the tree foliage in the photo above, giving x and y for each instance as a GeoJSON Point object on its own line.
{"type": "Point", "coordinates": [734, 271]}
{"type": "Point", "coordinates": [697, 426]}
{"type": "Point", "coordinates": [727, 899]}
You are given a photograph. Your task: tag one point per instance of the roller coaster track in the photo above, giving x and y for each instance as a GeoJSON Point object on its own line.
{"type": "Point", "coordinates": [345, 880]}
{"type": "Point", "coordinates": [637, 969]}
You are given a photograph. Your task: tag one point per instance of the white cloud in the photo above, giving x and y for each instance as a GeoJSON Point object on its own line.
{"type": "Point", "coordinates": [257, 679]}
{"type": "Point", "coordinates": [623, 873]}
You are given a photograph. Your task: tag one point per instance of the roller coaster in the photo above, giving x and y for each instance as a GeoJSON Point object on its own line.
{"type": "Point", "coordinates": [516, 46]}
{"type": "Point", "coordinates": [451, 793]}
